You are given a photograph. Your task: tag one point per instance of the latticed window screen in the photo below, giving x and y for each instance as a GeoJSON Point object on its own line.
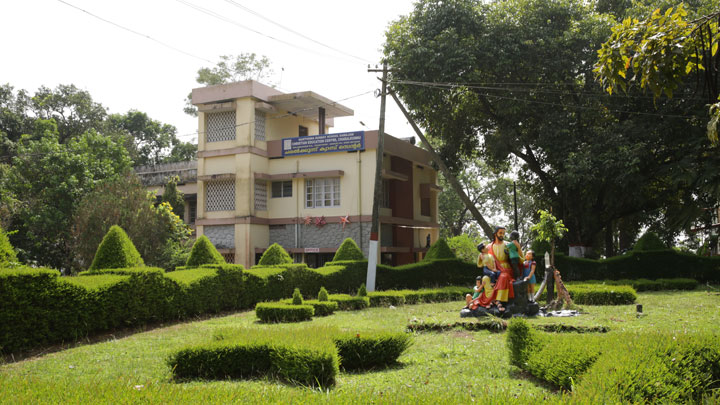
{"type": "Point", "coordinates": [322, 193]}
{"type": "Point", "coordinates": [261, 195]}
{"type": "Point", "coordinates": [220, 195]}
{"type": "Point", "coordinates": [220, 126]}
{"type": "Point", "coordinates": [229, 257]}
{"type": "Point", "coordinates": [259, 125]}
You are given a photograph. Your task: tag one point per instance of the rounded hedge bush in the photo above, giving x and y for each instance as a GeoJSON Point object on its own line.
{"type": "Point", "coordinates": [279, 312]}
{"type": "Point", "coordinates": [649, 241]}
{"type": "Point", "coordinates": [275, 255]}
{"type": "Point", "coordinates": [204, 252]}
{"type": "Point", "coordinates": [116, 251]}
{"type": "Point", "coordinates": [322, 295]}
{"type": "Point", "coordinates": [297, 298]}
{"type": "Point", "coordinates": [348, 250]}
{"type": "Point", "coordinates": [440, 250]}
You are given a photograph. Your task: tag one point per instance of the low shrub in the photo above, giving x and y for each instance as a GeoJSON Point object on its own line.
{"type": "Point", "coordinates": [203, 252]}
{"type": "Point", "coordinates": [323, 295]}
{"type": "Point", "coordinates": [649, 241]}
{"type": "Point", "coordinates": [349, 303]}
{"type": "Point", "coordinates": [245, 353]}
{"type": "Point", "coordinates": [275, 255]}
{"type": "Point", "coordinates": [653, 368]}
{"type": "Point", "coordinates": [297, 298]}
{"type": "Point", "coordinates": [116, 251]}
{"type": "Point", "coordinates": [280, 312]}
{"type": "Point", "coordinates": [678, 283]}
{"type": "Point", "coordinates": [521, 341]}
{"type": "Point", "coordinates": [386, 298]}
{"type": "Point", "coordinates": [598, 294]}
{"type": "Point", "coordinates": [362, 291]}
{"type": "Point", "coordinates": [439, 250]}
{"type": "Point", "coordinates": [322, 308]}
{"type": "Point", "coordinates": [348, 250]}
{"type": "Point", "coordinates": [375, 350]}
{"type": "Point", "coordinates": [563, 360]}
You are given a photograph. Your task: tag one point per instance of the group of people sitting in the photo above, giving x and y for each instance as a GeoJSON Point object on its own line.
{"type": "Point", "coordinates": [500, 266]}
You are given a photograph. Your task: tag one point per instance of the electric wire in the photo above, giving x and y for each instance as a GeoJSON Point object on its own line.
{"type": "Point", "coordinates": [255, 13]}
{"type": "Point", "coordinates": [245, 27]}
{"type": "Point", "coordinates": [135, 32]}
{"type": "Point", "coordinates": [441, 88]}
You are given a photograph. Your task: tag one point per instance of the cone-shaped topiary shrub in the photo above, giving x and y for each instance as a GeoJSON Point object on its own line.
{"type": "Point", "coordinates": [348, 250]}
{"type": "Point", "coordinates": [204, 252]}
{"type": "Point", "coordinates": [362, 291]}
{"type": "Point", "coordinates": [297, 297]}
{"type": "Point", "coordinates": [116, 251]}
{"type": "Point", "coordinates": [7, 253]}
{"type": "Point", "coordinates": [649, 241]}
{"type": "Point", "coordinates": [323, 295]}
{"type": "Point", "coordinates": [440, 250]}
{"type": "Point", "coordinates": [275, 255]}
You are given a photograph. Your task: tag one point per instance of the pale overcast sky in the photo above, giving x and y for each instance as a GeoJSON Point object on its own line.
{"type": "Point", "coordinates": [47, 42]}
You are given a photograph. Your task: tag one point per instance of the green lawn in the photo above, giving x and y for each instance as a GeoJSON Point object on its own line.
{"type": "Point", "coordinates": [451, 367]}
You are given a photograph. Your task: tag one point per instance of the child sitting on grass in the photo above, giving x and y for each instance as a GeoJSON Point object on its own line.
{"type": "Point", "coordinates": [529, 271]}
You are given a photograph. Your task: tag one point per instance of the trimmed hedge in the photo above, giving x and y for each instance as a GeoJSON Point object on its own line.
{"type": "Point", "coordinates": [370, 351]}
{"type": "Point", "coordinates": [116, 251]}
{"type": "Point", "coordinates": [203, 252]}
{"type": "Point", "coordinates": [643, 284]}
{"type": "Point", "coordinates": [44, 308]}
{"type": "Point", "coordinates": [440, 250]}
{"type": "Point", "coordinates": [348, 250]}
{"type": "Point", "coordinates": [652, 265]}
{"type": "Point", "coordinates": [627, 367]}
{"type": "Point", "coordinates": [348, 303]}
{"type": "Point", "coordinates": [311, 361]}
{"type": "Point", "coordinates": [322, 308]}
{"type": "Point", "coordinates": [595, 293]}
{"type": "Point", "coordinates": [386, 298]}
{"type": "Point", "coordinates": [275, 255]}
{"type": "Point", "coordinates": [272, 312]}
{"type": "Point", "coordinates": [649, 241]}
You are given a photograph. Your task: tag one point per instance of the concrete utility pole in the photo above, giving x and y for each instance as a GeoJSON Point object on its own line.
{"type": "Point", "coordinates": [448, 175]}
{"type": "Point", "coordinates": [375, 228]}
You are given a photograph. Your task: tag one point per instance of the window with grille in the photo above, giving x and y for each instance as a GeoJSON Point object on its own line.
{"type": "Point", "coordinates": [302, 131]}
{"type": "Point", "coordinates": [220, 195]}
{"type": "Point", "coordinates": [322, 193]}
{"type": "Point", "coordinates": [282, 189]}
{"type": "Point", "coordinates": [220, 126]}
{"type": "Point", "coordinates": [259, 125]}
{"type": "Point", "coordinates": [261, 195]}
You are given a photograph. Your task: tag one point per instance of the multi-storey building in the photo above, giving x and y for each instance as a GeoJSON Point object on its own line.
{"type": "Point", "coordinates": [268, 171]}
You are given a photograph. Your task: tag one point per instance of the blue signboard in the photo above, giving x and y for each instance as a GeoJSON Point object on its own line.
{"type": "Point", "coordinates": [342, 142]}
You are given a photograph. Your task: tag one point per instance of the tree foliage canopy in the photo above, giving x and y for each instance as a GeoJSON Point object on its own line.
{"type": "Point", "coordinates": [513, 80]}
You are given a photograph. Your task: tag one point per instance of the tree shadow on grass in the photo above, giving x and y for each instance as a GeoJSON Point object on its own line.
{"type": "Point", "coordinates": [108, 336]}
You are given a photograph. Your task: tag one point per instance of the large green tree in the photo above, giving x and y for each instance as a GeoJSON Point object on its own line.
{"type": "Point", "coordinates": [513, 79]}
{"type": "Point", "coordinates": [229, 69]}
{"type": "Point", "coordinates": [46, 180]}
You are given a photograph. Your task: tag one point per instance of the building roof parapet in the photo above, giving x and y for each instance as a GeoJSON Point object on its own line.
{"type": "Point", "coordinates": [156, 175]}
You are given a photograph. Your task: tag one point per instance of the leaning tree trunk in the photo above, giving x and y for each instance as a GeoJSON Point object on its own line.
{"type": "Point", "coordinates": [446, 172]}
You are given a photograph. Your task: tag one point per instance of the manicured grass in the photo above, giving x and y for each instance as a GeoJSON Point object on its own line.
{"type": "Point", "coordinates": [450, 367]}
